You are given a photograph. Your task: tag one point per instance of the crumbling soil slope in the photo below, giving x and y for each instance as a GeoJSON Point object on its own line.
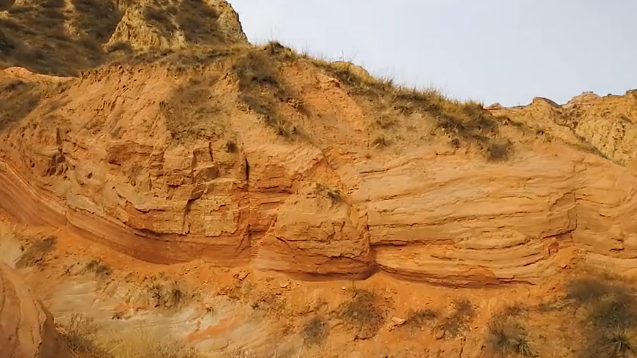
{"type": "Point", "coordinates": [26, 328]}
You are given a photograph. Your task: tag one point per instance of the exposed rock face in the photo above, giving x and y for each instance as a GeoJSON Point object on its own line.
{"type": "Point", "coordinates": [119, 157]}
{"type": "Point", "coordinates": [26, 328]}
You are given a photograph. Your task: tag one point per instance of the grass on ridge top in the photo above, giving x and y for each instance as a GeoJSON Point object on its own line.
{"type": "Point", "coordinates": [262, 90]}
{"type": "Point", "coordinates": [466, 120]}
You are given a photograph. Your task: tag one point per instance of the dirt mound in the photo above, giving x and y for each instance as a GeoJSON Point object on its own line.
{"type": "Point", "coordinates": [27, 328]}
{"type": "Point", "coordinates": [257, 154]}
{"type": "Point", "coordinates": [65, 37]}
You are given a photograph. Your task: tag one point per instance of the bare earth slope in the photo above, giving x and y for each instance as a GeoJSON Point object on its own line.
{"type": "Point", "coordinates": [26, 328]}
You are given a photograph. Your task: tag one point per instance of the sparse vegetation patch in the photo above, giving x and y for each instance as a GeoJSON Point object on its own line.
{"type": "Point", "coordinates": [36, 251]}
{"type": "Point", "coordinates": [610, 322]}
{"type": "Point", "coordinates": [421, 318]}
{"type": "Point", "coordinates": [466, 121]}
{"type": "Point", "coordinates": [98, 268]}
{"type": "Point", "coordinates": [261, 88]}
{"type": "Point", "coordinates": [315, 331]}
{"type": "Point", "coordinates": [193, 111]}
{"type": "Point", "coordinates": [499, 151]}
{"type": "Point", "coordinates": [507, 338]}
{"type": "Point", "coordinates": [18, 99]}
{"type": "Point", "coordinates": [334, 194]}
{"type": "Point", "coordinates": [458, 321]}
{"type": "Point", "coordinates": [362, 313]}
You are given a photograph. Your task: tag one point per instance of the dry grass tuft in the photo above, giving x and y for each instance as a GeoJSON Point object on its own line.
{"type": "Point", "coordinates": [363, 313]}
{"type": "Point", "coordinates": [85, 339]}
{"type": "Point", "coordinates": [165, 294]}
{"type": "Point", "coordinates": [98, 268]}
{"type": "Point", "coordinates": [36, 251]}
{"type": "Point", "coordinates": [334, 194]}
{"type": "Point", "coordinates": [610, 322]}
{"type": "Point", "coordinates": [421, 318]}
{"type": "Point", "coordinates": [380, 142]}
{"type": "Point", "coordinates": [458, 321]}
{"type": "Point", "coordinates": [508, 338]}
{"type": "Point", "coordinates": [315, 331]}
{"type": "Point", "coordinates": [146, 345]}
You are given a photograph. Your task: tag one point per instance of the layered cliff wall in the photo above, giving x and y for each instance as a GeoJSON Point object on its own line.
{"type": "Point", "coordinates": [260, 156]}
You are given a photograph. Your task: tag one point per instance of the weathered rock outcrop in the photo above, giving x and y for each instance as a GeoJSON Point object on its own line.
{"type": "Point", "coordinates": [171, 165]}
{"type": "Point", "coordinates": [606, 124]}
{"type": "Point", "coordinates": [26, 328]}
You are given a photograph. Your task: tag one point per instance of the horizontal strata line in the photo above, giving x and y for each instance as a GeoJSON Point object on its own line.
{"type": "Point", "coordinates": [452, 243]}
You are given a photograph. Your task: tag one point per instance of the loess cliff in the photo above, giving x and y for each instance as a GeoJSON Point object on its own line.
{"type": "Point", "coordinates": [150, 139]}
{"type": "Point", "coordinates": [259, 155]}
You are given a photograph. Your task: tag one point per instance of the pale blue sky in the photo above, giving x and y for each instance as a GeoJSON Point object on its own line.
{"type": "Point", "coordinates": [506, 51]}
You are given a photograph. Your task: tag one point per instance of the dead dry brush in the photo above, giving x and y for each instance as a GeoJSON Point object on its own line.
{"type": "Point", "coordinates": [35, 251]}
{"type": "Point", "coordinates": [363, 313]}
{"type": "Point", "coordinates": [315, 331]}
{"type": "Point", "coordinates": [508, 338]}
{"type": "Point", "coordinates": [418, 319]}
{"type": "Point", "coordinates": [610, 321]}
{"type": "Point", "coordinates": [457, 322]}
{"type": "Point", "coordinates": [507, 335]}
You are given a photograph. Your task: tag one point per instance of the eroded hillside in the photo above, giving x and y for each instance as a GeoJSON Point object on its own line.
{"type": "Point", "coordinates": [239, 189]}
{"type": "Point", "coordinates": [66, 37]}
{"type": "Point", "coordinates": [607, 123]}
